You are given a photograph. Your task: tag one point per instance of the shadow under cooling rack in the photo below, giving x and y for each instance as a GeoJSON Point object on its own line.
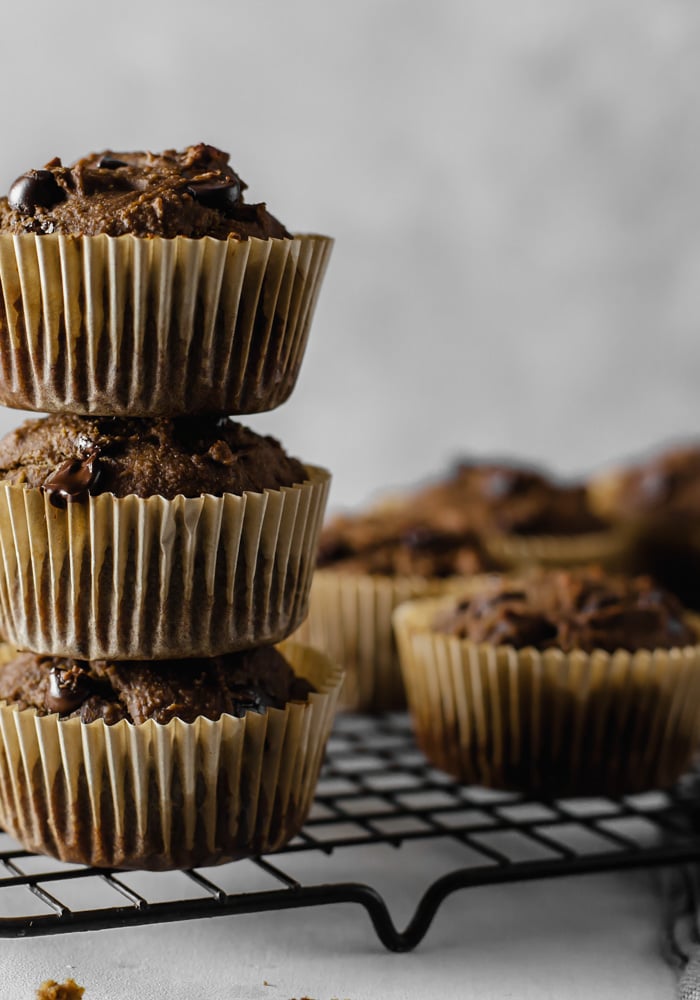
{"type": "Point", "coordinates": [376, 788]}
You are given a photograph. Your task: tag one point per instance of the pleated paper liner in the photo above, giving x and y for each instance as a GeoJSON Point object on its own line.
{"type": "Point", "coordinates": [608, 548]}
{"type": "Point", "coordinates": [131, 578]}
{"type": "Point", "coordinates": [549, 723]}
{"type": "Point", "coordinates": [135, 327]}
{"type": "Point", "coordinates": [350, 619]}
{"type": "Point", "coordinates": [166, 796]}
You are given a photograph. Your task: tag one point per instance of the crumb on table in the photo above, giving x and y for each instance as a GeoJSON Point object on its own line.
{"type": "Point", "coordinates": [51, 990]}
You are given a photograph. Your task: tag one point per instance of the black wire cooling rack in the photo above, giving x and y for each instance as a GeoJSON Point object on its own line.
{"type": "Point", "coordinates": [376, 788]}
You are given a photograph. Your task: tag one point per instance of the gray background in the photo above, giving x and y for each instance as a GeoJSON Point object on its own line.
{"type": "Point", "coordinates": [514, 189]}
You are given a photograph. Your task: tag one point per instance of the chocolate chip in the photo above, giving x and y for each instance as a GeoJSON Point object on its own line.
{"type": "Point", "coordinates": [247, 699]}
{"type": "Point", "coordinates": [73, 480]}
{"type": "Point", "coordinates": [221, 194]}
{"type": "Point", "coordinates": [35, 189]}
{"type": "Point", "coordinates": [110, 163]}
{"type": "Point", "coordinates": [67, 690]}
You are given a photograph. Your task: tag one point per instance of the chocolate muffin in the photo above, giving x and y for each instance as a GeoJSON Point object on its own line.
{"type": "Point", "coordinates": [223, 763]}
{"type": "Point", "coordinates": [567, 611]}
{"type": "Point", "coordinates": [369, 563]}
{"type": "Point", "coordinates": [145, 285]}
{"type": "Point", "coordinates": [71, 457]}
{"type": "Point", "coordinates": [666, 486]}
{"type": "Point", "coordinates": [152, 539]}
{"type": "Point", "coordinates": [250, 681]}
{"type": "Point", "coordinates": [557, 684]}
{"type": "Point", "coordinates": [193, 193]}
{"type": "Point", "coordinates": [657, 502]}
{"type": "Point", "coordinates": [509, 498]}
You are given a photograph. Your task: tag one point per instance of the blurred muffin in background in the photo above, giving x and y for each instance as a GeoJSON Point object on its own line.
{"type": "Point", "coordinates": [480, 517]}
{"type": "Point", "coordinates": [524, 516]}
{"type": "Point", "coordinates": [368, 564]}
{"type": "Point", "coordinates": [657, 502]}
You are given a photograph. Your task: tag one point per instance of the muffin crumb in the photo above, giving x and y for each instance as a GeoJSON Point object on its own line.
{"type": "Point", "coordinates": [51, 990]}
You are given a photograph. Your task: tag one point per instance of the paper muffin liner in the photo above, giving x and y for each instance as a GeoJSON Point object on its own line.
{"type": "Point", "coordinates": [548, 723]}
{"type": "Point", "coordinates": [350, 620]}
{"type": "Point", "coordinates": [608, 548]}
{"type": "Point", "coordinates": [166, 796]}
{"type": "Point", "coordinates": [131, 578]}
{"type": "Point", "coordinates": [135, 327]}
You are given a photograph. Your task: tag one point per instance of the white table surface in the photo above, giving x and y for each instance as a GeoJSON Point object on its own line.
{"type": "Point", "coordinates": [570, 938]}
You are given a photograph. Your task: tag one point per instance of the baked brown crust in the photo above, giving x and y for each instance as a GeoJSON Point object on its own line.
{"type": "Point", "coordinates": [511, 499]}
{"type": "Point", "coordinates": [398, 546]}
{"type": "Point", "coordinates": [252, 680]}
{"type": "Point", "coordinates": [193, 192]}
{"type": "Point", "coordinates": [584, 610]}
{"type": "Point", "coordinates": [438, 529]}
{"type": "Point", "coordinates": [72, 456]}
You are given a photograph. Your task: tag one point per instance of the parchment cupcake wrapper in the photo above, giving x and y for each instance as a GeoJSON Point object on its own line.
{"type": "Point", "coordinates": [155, 327]}
{"type": "Point", "coordinates": [609, 548]}
{"type": "Point", "coordinates": [350, 619]}
{"type": "Point", "coordinates": [166, 796]}
{"type": "Point", "coordinates": [549, 723]}
{"type": "Point", "coordinates": [134, 578]}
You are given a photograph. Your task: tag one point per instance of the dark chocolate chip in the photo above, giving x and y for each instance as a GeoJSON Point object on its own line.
{"type": "Point", "coordinates": [35, 189]}
{"type": "Point", "coordinates": [221, 194]}
{"type": "Point", "coordinates": [73, 480]}
{"type": "Point", "coordinates": [110, 163]}
{"type": "Point", "coordinates": [247, 699]}
{"type": "Point", "coordinates": [67, 690]}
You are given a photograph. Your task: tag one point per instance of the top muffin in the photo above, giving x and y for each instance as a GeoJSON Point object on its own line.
{"type": "Point", "coordinates": [192, 193]}
{"type": "Point", "coordinates": [144, 285]}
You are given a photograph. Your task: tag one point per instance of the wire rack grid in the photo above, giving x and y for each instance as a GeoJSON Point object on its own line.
{"type": "Point", "coordinates": [376, 788]}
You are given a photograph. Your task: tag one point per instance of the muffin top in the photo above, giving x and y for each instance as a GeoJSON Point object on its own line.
{"type": "Point", "coordinates": [71, 457]}
{"type": "Point", "coordinates": [396, 544]}
{"type": "Point", "coordinates": [508, 498]}
{"type": "Point", "coordinates": [191, 193]}
{"type": "Point", "coordinates": [669, 483]}
{"type": "Point", "coordinates": [438, 529]}
{"type": "Point", "coordinates": [584, 610]}
{"type": "Point", "coordinates": [248, 681]}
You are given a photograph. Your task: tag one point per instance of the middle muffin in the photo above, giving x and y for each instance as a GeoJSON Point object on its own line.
{"type": "Point", "coordinates": [150, 539]}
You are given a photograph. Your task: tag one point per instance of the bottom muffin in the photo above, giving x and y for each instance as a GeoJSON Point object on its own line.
{"type": "Point", "coordinates": [572, 685]}
{"type": "Point", "coordinates": [119, 766]}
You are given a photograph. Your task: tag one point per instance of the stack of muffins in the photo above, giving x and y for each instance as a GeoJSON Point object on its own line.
{"type": "Point", "coordinates": [152, 551]}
